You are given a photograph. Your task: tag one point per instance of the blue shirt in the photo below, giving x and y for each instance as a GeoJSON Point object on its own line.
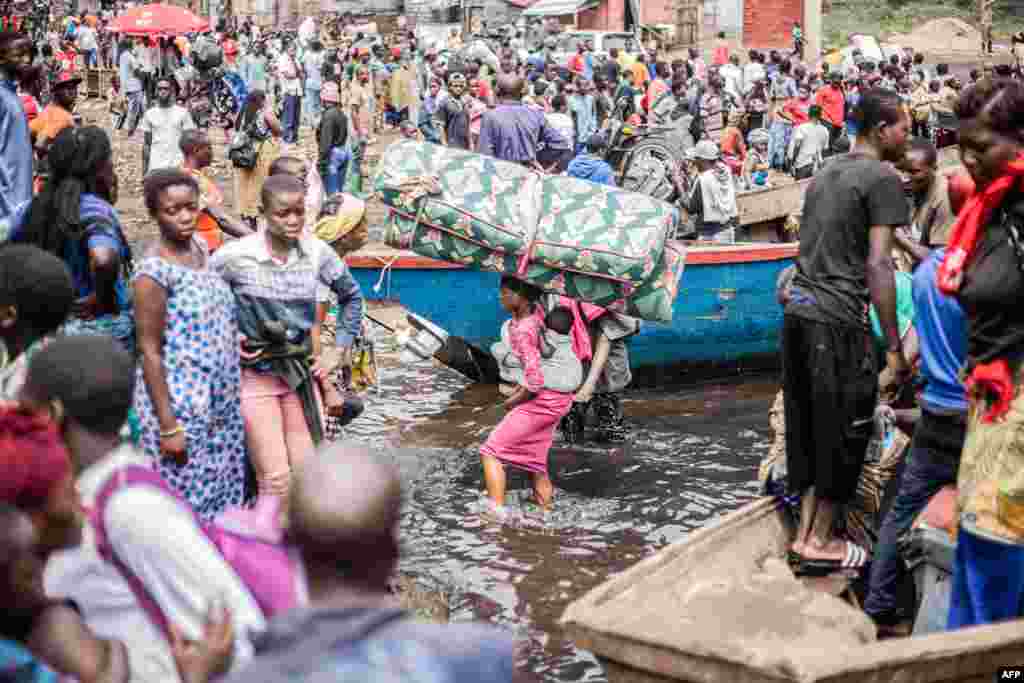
{"type": "Point", "coordinates": [589, 167]}
{"type": "Point", "coordinates": [101, 229]}
{"type": "Point", "coordinates": [514, 132]}
{"type": "Point", "coordinates": [584, 108]}
{"type": "Point", "coordinates": [942, 330]}
{"type": "Point", "coordinates": [15, 156]}
{"type": "Point", "coordinates": [588, 66]}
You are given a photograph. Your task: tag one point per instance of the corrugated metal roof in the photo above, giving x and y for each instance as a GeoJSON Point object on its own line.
{"type": "Point", "coordinates": [555, 8]}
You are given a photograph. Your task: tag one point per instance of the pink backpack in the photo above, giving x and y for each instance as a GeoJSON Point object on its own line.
{"type": "Point", "coordinates": [250, 540]}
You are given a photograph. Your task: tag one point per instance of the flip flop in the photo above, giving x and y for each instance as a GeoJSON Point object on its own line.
{"type": "Point", "coordinates": [854, 558]}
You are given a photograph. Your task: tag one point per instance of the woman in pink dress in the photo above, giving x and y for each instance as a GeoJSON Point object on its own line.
{"type": "Point", "coordinates": [522, 439]}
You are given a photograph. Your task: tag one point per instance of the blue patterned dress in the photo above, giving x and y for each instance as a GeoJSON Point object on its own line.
{"type": "Point", "coordinates": [201, 363]}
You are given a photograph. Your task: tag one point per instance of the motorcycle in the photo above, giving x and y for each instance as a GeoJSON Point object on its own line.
{"type": "Point", "coordinates": [217, 98]}
{"type": "Point", "coordinates": [650, 159]}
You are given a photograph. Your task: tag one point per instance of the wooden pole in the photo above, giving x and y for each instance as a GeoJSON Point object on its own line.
{"type": "Point", "coordinates": [812, 31]}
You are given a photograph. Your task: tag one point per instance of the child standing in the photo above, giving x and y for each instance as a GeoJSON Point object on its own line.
{"type": "Point", "coordinates": [274, 275]}
{"type": "Point", "coordinates": [523, 438]}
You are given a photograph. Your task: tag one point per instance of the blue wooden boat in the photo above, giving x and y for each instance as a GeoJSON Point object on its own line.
{"type": "Point", "coordinates": [725, 316]}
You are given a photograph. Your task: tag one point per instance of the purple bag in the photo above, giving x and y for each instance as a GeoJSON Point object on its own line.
{"type": "Point", "coordinates": [249, 539]}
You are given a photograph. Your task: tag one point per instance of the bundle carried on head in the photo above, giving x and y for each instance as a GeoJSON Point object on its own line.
{"type": "Point", "coordinates": [568, 236]}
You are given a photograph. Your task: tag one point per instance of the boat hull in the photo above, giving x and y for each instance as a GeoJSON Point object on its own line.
{"type": "Point", "coordinates": [725, 314]}
{"type": "Point", "coordinates": [739, 542]}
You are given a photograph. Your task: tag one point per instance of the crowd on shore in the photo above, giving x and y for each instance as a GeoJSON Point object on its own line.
{"type": "Point", "coordinates": [159, 409]}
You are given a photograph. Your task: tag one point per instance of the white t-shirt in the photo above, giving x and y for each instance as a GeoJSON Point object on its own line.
{"type": "Point", "coordinates": [166, 125]}
{"type": "Point", "coordinates": [86, 38]}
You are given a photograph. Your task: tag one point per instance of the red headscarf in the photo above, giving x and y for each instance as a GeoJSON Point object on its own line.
{"type": "Point", "coordinates": [33, 459]}
{"type": "Point", "coordinates": [994, 377]}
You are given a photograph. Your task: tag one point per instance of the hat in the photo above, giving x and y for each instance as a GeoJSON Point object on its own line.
{"type": "Point", "coordinates": [330, 92]}
{"type": "Point", "coordinates": [705, 150]}
{"type": "Point", "coordinates": [66, 80]}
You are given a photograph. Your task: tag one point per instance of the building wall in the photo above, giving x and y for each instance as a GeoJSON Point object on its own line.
{"type": "Point", "coordinates": [767, 23]}
{"type": "Point", "coordinates": [610, 15]}
{"type": "Point", "coordinates": [657, 12]}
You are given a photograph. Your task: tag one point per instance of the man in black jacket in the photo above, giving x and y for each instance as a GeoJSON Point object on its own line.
{"type": "Point", "coordinates": [332, 136]}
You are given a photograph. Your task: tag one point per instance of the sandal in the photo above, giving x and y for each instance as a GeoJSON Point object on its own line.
{"type": "Point", "coordinates": [855, 558]}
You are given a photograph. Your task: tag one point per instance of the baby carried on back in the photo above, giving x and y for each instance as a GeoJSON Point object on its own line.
{"type": "Point", "coordinates": [562, 369]}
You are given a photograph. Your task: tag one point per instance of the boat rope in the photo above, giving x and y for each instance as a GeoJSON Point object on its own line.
{"type": "Point", "coordinates": [385, 272]}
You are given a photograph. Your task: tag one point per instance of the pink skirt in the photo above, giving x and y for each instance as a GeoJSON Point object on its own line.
{"type": "Point", "coordinates": [523, 438]}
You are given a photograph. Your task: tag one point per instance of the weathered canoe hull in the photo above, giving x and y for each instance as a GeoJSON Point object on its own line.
{"type": "Point", "coordinates": [740, 540]}
{"type": "Point", "coordinates": [725, 313]}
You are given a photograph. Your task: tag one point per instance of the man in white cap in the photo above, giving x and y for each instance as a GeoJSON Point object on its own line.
{"type": "Point", "coordinates": [712, 200]}
{"type": "Point", "coordinates": [332, 134]}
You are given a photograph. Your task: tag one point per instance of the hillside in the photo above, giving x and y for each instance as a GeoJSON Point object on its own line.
{"type": "Point", "coordinates": [886, 17]}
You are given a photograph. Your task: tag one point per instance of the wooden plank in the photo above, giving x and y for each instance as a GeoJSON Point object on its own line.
{"type": "Point", "coordinates": [778, 202]}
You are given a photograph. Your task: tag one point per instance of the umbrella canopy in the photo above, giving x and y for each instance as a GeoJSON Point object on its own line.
{"type": "Point", "coordinates": [158, 20]}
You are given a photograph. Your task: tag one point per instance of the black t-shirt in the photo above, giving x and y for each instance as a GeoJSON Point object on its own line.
{"type": "Point", "coordinates": [846, 198]}
{"type": "Point", "coordinates": [611, 71]}
{"type": "Point", "coordinates": [456, 122]}
{"type": "Point", "coordinates": [992, 294]}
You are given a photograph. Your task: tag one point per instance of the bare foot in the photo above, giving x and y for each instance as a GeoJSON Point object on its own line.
{"type": "Point", "coordinates": [835, 549]}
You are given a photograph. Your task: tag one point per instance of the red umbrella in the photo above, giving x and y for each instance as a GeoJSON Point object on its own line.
{"type": "Point", "coordinates": [163, 20]}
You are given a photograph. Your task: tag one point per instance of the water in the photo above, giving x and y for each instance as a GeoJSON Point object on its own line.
{"type": "Point", "coordinates": [692, 456]}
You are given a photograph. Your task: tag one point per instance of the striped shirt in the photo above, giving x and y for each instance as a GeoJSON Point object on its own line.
{"type": "Point", "coordinates": [267, 290]}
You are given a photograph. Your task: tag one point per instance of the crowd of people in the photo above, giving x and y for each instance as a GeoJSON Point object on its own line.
{"type": "Point", "coordinates": [949, 323]}
{"type": "Point", "coordinates": [173, 392]}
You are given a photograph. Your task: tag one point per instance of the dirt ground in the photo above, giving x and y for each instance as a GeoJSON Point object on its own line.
{"type": "Point", "coordinates": [138, 226]}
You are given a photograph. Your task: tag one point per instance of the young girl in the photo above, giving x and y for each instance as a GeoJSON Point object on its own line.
{"type": "Point", "coordinates": [524, 436]}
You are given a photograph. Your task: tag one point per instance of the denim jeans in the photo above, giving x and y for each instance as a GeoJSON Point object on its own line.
{"type": "Point", "coordinates": [136, 105]}
{"type": "Point", "coordinates": [931, 464]}
{"type": "Point", "coordinates": [426, 126]}
{"type": "Point", "coordinates": [290, 118]}
{"type": "Point", "coordinates": [90, 59]}
{"type": "Point", "coordinates": [337, 168]}
{"type": "Point", "coordinates": [313, 106]}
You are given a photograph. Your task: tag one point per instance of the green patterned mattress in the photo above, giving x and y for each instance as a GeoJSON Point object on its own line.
{"type": "Point", "coordinates": [587, 241]}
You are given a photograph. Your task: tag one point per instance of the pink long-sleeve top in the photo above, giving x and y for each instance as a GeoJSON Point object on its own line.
{"type": "Point", "coordinates": [524, 338]}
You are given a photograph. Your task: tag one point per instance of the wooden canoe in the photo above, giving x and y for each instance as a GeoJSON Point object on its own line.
{"type": "Point", "coordinates": [778, 202]}
{"type": "Point", "coordinates": [724, 317]}
{"type": "Point", "coordinates": [741, 541]}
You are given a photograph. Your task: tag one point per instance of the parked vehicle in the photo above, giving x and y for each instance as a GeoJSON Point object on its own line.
{"type": "Point", "coordinates": [567, 44]}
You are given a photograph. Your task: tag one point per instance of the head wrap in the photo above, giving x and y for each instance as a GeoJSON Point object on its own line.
{"type": "Point", "coordinates": [34, 459]}
{"type": "Point", "coordinates": [342, 221]}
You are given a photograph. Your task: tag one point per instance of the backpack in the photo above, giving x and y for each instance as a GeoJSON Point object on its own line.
{"type": "Point", "coordinates": [249, 540]}
{"type": "Point", "coordinates": [207, 55]}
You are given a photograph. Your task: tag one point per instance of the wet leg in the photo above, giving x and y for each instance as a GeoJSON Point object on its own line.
{"type": "Point", "coordinates": [543, 490]}
{"type": "Point", "coordinates": [494, 478]}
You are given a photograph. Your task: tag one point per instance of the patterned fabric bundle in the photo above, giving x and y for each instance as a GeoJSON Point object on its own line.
{"type": "Point", "coordinates": [568, 236]}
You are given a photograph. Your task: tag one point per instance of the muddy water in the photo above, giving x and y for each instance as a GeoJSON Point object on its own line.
{"type": "Point", "coordinates": [692, 456]}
